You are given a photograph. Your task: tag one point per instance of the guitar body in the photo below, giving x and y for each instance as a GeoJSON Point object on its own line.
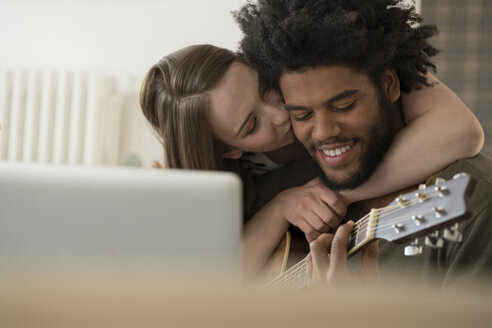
{"type": "Point", "coordinates": [292, 248]}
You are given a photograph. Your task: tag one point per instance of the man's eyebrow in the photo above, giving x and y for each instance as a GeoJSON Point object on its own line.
{"type": "Point", "coordinates": [243, 124]}
{"type": "Point", "coordinates": [341, 95]}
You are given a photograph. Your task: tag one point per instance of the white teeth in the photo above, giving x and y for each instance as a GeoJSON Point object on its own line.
{"type": "Point", "coordinates": [337, 151]}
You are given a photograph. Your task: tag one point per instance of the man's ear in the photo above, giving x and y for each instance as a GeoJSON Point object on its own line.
{"type": "Point", "coordinates": [391, 85]}
{"type": "Point", "coordinates": [233, 153]}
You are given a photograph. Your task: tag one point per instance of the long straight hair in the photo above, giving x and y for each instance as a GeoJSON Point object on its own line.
{"type": "Point", "coordinates": [174, 98]}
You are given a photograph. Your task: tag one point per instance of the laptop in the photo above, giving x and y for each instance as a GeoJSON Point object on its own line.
{"type": "Point", "coordinates": [175, 221]}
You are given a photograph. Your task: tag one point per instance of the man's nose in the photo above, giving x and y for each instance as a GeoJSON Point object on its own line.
{"type": "Point", "coordinates": [325, 127]}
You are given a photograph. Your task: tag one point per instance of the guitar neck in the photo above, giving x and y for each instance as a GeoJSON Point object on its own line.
{"type": "Point", "coordinates": [295, 278]}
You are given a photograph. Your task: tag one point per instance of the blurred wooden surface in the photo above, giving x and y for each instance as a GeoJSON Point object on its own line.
{"type": "Point", "coordinates": [152, 301]}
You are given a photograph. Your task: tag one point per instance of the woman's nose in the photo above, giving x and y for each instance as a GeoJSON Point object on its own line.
{"type": "Point", "coordinates": [276, 115]}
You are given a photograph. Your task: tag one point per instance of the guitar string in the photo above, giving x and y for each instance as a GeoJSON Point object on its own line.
{"type": "Point", "coordinates": [301, 265]}
{"type": "Point", "coordinates": [391, 209]}
{"type": "Point", "coordinates": [386, 225]}
{"type": "Point", "coordinates": [295, 270]}
{"type": "Point", "coordinates": [284, 275]}
{"type": "Point", "coordinates": [423, 197]}
{"type": "Point", "coordinates": [287, 275]}
{"type": "Point", "coordinates": [361, 223]}
{"type": "Point", "coordinates": [362, 226]}
{"type": "Point", "coordinates": [291, 274]}
{"type": "Point", "coordinates": [298, 273]}
{"type": "Point", "coordinates": [385, 210]}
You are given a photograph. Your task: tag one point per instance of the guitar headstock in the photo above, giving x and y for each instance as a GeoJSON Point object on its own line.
{"type": "Point", "coordinates": [425, 211]}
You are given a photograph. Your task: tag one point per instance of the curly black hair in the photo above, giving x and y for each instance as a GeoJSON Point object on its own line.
{"type": "Point", "coordinates": [282, 36]}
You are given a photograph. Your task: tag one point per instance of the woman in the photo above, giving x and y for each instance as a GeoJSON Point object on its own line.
{"type": "Point", "coordinates": [212, 113]}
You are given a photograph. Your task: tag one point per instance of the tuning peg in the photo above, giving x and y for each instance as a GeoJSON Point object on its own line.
{"type": "Point", "coordinates": [433, 240]}
{"type": "Point", "coordinates": [418, 219]}
{"type": "Point", "coordinates": [402, 201]}
{"type": "Point", "coordinates": [439, 188]}
{"type": "Point", "coordinates": [460, 175]}
{"type": "Point", "coordinates": [413, 249]}
{"type": "Point", "coordinates": [439, 181]}
{"type": "Point", "coordinates": [438, 211]}
{"type": "Point", "coordinates": [421, 196]}
{"type": "Point", "coordinates": [399, 227]}
{"type": "Point", "coordinates": [452, 233]}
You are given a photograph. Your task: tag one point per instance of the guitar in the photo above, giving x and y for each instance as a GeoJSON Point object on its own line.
{"type": "Point", "coordinates": [436, 209]}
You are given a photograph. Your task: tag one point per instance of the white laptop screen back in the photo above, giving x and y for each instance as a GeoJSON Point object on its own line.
{"type": "Point", "coordinates": [119, 216]}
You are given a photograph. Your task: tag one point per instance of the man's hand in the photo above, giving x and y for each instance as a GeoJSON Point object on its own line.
{"type": "Point", "coordinates": [327, 260]}
{"type": "Point", "coordinates": [313, 208]}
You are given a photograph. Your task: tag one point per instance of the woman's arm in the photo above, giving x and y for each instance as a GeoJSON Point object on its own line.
{"type": "Point", "coordinates": [440, 130]}
{"type": "Point", "coordinates": [261, 234]}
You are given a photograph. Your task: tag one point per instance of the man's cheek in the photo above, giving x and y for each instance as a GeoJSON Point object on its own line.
{"type": "Point", "coordinates": [299, 132]}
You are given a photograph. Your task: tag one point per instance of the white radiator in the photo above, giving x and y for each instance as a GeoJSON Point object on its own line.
{"type": "Point", "coordinates": [59, 117]}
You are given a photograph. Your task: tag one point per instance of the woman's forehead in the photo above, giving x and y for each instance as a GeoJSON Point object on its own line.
{"type": "Point", "coordinates": [232, 100]}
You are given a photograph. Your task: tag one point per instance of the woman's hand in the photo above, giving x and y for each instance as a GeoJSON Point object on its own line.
{"type": "Point", "coordinates": [313, 208]}
{"type": "Point", "coordinates": [327, 260]}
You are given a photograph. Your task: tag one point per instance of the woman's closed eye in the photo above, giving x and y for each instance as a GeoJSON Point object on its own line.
{"type": "Point", "coordinates": [253, 126]}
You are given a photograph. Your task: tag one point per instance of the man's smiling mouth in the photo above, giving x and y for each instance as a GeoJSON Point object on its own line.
{"type": "Point", "coordinates": [334, 152]}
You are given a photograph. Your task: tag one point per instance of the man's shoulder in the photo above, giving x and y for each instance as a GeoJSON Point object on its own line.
{"type": "Point", "coordinates": [480, 168]}
{"type": "Point", "coordinates": [480, 202]}
{"type": "Point", "coordinates": [480, 164]}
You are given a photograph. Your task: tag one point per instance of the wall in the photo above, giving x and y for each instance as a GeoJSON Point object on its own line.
{"type": "Point", "coordinates": [465, 61]}
{"type": "Point", "coordinates": [119, 37]}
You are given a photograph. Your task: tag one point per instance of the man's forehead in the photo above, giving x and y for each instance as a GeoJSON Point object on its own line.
{"type": "Point", "coordinates": [324, 81]}
{"type": "Point", "coordinates": [332, 71]}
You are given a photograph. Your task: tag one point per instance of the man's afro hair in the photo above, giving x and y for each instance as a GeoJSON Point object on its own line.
{"type": "Point", "coordinates": [282, 36]}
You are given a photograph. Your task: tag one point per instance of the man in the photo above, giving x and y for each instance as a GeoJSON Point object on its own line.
{"type": "Point", "coordinates": [341, 66]}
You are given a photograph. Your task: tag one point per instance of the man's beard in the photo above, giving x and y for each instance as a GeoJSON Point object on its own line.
{"type": "Point", "coordinates": [380, 138]}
